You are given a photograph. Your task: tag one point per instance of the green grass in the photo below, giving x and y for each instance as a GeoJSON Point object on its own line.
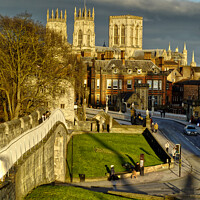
{"type": "Point", "coordinates": [69, 193]}
{"type": "Point", "coordinates": [91, 152]}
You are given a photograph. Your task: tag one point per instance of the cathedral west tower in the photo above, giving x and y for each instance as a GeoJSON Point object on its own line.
{"type": "Point", "coordinates": [57, 23]}
{"type": "Point", "coordinates": [84, 31]}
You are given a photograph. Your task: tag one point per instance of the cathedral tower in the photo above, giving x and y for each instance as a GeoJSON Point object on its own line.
{"type": "Point", "coordinates": [184, 59]}
{"type": "Point", "coordinates": [169, 53]}
{"type": "Point", "coordinates": [57, 23]}
{"type": "Point", "coordinates": [84, 33]}
{"type": "Point", "coordinates": [126, 33]}
{"type": "Point", "coordinates": [193, 63]}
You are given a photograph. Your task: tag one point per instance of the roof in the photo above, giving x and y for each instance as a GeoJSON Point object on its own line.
{"type": "Point", "coordinates": [154, 52]}
{"type": "Point", "coordinates": [103, 49]}
{"type": "Point", "coordinates": [188, 82]}
{"type": "Point", "coordinates": [196, 69]}
{"type": "Point", "coordinates": [170, 62]}
{"type": "Point", "coordinates": [145, 65]}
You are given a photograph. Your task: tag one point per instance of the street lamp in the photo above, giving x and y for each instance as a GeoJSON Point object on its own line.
{"type": "Point", "coordinates": [152, 109]}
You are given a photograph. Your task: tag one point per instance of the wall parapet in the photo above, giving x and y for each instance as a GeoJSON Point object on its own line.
{"type": "Point", "coordinates": [12, 129]}
{"type": "Point", "coordinates": [13, 151]}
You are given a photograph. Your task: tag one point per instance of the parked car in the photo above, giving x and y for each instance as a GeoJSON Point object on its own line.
{"type": "Point", "coordinates": [190, 130]}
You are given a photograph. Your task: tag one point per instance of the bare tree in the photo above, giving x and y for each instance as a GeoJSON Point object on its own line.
{"type": "Point", "coordinates": [32, 60]}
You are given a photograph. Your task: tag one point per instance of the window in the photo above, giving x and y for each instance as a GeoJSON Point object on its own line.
{"type": "Point", "coordinates": [132, 36]}
{"type": "Point", "coordinates": [62, 91]}
{"type": "Point", "coordinates": [80, 38]}
{"type": "Point", "coordinates": [108, 83]}
{"type": "Point", "coordinates": [62, 106]}
{"type": "Point", "coordinates": [120, 84]}
{"type": "Point", "coordinates": [115, 84]}
{"type": "Point", "coordinates": [160, 85]}
{"type": "Point", "coordinates": [150, 83]}
{"type": "Point", "coordinates": [98, 83]}
{"type": "Point", "coordinates": [115, 34]}
{"type": "Point", "coordinates": [85, 82]}
{"type": "Point", "coordinates": [98, 98]}
{"type": "Point", "coordinates": [129, 84]}
{"type": "Point", "coordinates": [167, 86]}
{"type": "Point", "coordinates": [137, 36]}
{"type": "Point", "coordinates": [155, 84]}
{"type": "Point", "coordinates": [92, 84]}
{"type": "Point", "coordinates": [88, 38]}
{"type": "Point", "coordinates": [138, 81]}
{"type": "Point", "coordinates": [123, 34]}
{"type": "Point", "coordinates": [139, 71]}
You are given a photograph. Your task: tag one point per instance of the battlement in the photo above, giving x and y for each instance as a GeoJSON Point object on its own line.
{"type": "Point", "coordinates": [57, 17]}
{"type": "Point", "coordinates": [84, 14]}
{"type": "Point", "coordinates": [126, 17]}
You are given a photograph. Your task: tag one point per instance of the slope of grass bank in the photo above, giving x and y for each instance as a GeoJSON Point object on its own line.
{"type": "Point", "coordinates": [93, 152]}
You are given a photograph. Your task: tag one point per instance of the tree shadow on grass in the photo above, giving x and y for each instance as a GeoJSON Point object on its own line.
{"type": "Point", "coordinates": [145, 151]}
{"type": "Point", "coordinates": [122, 160]}
{"type": "Point", "coordinates": [131, 159]}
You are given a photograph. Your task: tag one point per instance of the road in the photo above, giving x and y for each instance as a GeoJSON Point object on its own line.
{"type": "Point", "coordinates": [183, 187]}
{"type": "Point", "coordinates": [189, 185]}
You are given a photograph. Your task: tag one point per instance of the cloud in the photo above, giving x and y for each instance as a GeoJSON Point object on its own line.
{"type": "Point", "coordinates": [175, 7]}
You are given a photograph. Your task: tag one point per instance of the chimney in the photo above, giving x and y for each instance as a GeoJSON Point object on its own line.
{"type": "Point", "coordinates": [147, 55]}
{"type": "Point", "coordinates": [123, 57]}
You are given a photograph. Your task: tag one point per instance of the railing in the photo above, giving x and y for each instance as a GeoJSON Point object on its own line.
{"type": "Point", "coordinates": [11, 153]}
{"type": "Point", "coordinates": [127, 115]}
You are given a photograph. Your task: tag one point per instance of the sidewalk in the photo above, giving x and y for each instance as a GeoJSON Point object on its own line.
{"type": "Point", "coordinates": [159, 176]}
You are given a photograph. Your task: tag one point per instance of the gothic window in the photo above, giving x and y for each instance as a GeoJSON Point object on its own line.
{"type": "Point", "coordinates": [123, 34]}
{"type": "Point", "coordinates": [132, 37]}
{"type": "Point", "coordinates": [88, 38]}
{"type": "Point", "coordinates": [137, 36]}
{"type": "Point", "coordinates": [80, 37]}
{"type": "Point", "coordinates": [115, 34]}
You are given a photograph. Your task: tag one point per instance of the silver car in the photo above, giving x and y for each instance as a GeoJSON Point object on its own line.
{"type": "Point", "coordinates": [190, 130]}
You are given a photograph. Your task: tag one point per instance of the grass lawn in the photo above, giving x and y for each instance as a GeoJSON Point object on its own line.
{"type": "Point", "coordinates": [48, 192]}
{"type": "Point", "coordinates": [91, 152]}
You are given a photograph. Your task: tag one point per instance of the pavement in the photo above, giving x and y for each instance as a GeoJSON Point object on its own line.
{"type": "Point", "coordinates": [158, 176]}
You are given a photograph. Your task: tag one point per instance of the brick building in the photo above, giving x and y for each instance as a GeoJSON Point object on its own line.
{"type": "Point", "coordinates": [186, 97]}
{"type": "Point", "coordinates": [118, 79]}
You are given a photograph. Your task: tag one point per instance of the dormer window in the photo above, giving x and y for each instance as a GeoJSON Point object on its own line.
{"type": "Point", "coordinates": [139, 71]}
{"type": "Point", "coordinates": [115, 70]}
{"type": "Point", "coordinates": [129, 71]}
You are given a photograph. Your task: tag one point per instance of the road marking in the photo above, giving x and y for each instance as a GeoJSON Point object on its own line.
{"type": "Point", "coordinates": [191, 142]}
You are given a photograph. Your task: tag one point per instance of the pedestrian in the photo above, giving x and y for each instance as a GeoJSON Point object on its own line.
{"type": "Point", "coordinates": [167, 146]}
{"type": "Point", "coordinates": [174, 153]}
{"type": "Point", "coordinates": [156, 127]}
{"type": "Point", "coordinates": [134, 173]}
{"type": "Point", "coordinates": [113, 177]}
{"type": "Point", "coordinates": [152, 127]}
{"type": "Point", "coordinates": [137, 167]}
{"type": "Point", "coordinates": [163, 112]}
{"type": "Point", "coordinates": [43, 117]}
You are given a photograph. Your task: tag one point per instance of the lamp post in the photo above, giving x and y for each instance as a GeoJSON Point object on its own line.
{"type": "Point", "coordinates": [152, 109]}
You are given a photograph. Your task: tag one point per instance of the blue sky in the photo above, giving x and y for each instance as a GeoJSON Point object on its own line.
{"type": "Point", "coordinates": [174, 21]}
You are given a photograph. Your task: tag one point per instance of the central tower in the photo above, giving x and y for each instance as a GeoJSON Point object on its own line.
{"type": "Point", "coordinates": [84, 34]}
{"type": "Point", "coordinates": [126, 33]}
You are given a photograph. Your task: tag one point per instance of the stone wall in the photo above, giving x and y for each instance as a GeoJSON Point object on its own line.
{"type": "Point", "coordinates": [44, 164]}
{"type": "Point", "coordinates": [12, 129]}
{"type": "Point", "coordinates": [7, 192]}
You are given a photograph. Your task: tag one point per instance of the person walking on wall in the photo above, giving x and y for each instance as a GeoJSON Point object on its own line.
{"type": "Point", "coordinates": [156, 127]}
{"type": "Point", "coordinates": [167, 146]}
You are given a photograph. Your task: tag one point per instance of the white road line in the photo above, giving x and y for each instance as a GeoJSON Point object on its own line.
{"type": "Point", "coordinates": [191, 142]}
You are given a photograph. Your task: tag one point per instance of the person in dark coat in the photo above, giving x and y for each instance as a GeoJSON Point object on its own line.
{"type": "Point", "coordinates": [113, 177]}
